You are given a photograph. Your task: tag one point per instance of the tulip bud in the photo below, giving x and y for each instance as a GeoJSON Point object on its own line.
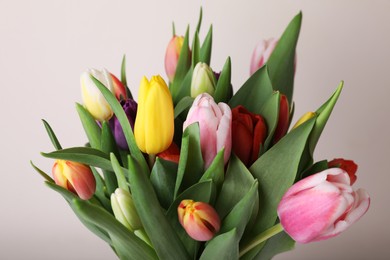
{"type": "Point", "coordinates": [130, 108]}
{"type": "Point", "coordinates": [203, 80]}
{"type": "Point", "coordinates": [75, 177]}
{"type": "Point", "coordinates": [172, 55]}
{"type": "Point", "coordinates": [249, 132]}
{"type": "Point", "coordinates": [284, 119]}
{"type": "Point", "coordinates": [93, 99]}
{"type": "Point", "coordinates": [304, 118]}
{"type": "Point", "coordinates": [261, 54]}
{"type": "Point", "coordinates": [154, 125]}
{"type": "Point", "coordinates": [124, 209]}
{"type": "Point", "coordinates": [321, 206]}
{"type": "Point", "coordinates": [215, 123]}
{"type": "Point", "coordinates": [199, 219]}
{"type": "Point", "coordinates": [347, 165]}
{"type": "Point", "coordinates": [171, 154]}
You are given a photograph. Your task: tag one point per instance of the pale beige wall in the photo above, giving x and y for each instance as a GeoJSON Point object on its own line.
{"type": "Point", "coordinates": [45, 45]}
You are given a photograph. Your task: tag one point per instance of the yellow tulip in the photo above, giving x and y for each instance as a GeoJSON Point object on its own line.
{"type": "Point", "coordinates": [304, 118]}
{"type": "Point", "coordinates": [154, 126]}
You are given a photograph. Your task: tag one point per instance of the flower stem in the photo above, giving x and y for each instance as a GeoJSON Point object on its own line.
{"type": "Point", "coordinates": [151, 160]}
{"type": "Point", "coordinates": [261, 238]}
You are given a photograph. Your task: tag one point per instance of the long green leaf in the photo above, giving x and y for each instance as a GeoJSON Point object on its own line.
{"type": "Point", "coordinates": [276, 245]}
{"type": "Point", "coordinates": [52, 135]}
{"type": "Point", "coordinates": [119, 172]}
{"type": "Point", "coordinates": [223, 246]}
{"type": "Point", "coordinates": [101, 189]}
{"type": "Point", "coordinates": [281, 63]}
{"type": "Point", "coordinates": [91, 128]}
{"type": "Point", "coordinates": [199, 20]}
{"type": "Point", "coordinates": [205, 50]}
{"type": "Point", "coordinates": [216, 171]}
{"type": "Point", "coordinates": [153, 219]}
{"type": "Point", "coordinates": [195, 50]}
{"type": "Point", "coordinates": [108, 145]}
{"type": "Point", "coordinates": [42, 173]}
{"type": "Point", "coordinates": [224, 89]}
{"type": "Point", "coordinates": [183, 105]}
{"type": "Point", "coordinates": [270, 112]}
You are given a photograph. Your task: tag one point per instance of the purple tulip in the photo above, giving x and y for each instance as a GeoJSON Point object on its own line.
{"type": "Point", "coordinates": [130, 108]}
{"type": "Point", "coordinates": [215, 126]}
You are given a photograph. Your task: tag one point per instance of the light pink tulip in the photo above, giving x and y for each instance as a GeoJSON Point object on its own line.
{"type": "Point", "coordinates": [215, 126]}
{"type": "Point", "coordinates": [199, 219]}
{"type": "Point", "coordinates": [321, 206]}
{"type": "Point", "coordinates": [261, 53]}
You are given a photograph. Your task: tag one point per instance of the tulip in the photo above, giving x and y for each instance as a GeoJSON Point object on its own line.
{"type": "Point", "coordinates": [304, 118]}
{"type": "Point", "coordinates": [199, 219]}
{"type": "Point", "coordinates": [249, 132]}
{"type": "Point", "coordinates": [172, 55]}
{"type": "Point", "coordinates": [171, 154]}
{"type": "Point", "coordinates": [261, 54]}
{"type": "Point", "coordinates": [154, 126]}
{"type": "Point", "coordinates": [93, 99]}
{"type": "Point", "coordinates": [130, 108]}
{"type": "Point", "coordinates": [215, 123]}
{"type": "Point", "coordinates": [124, 209]}
{"type": "Point", "coordinates": [321, 206]}
{"type": "Point", "coordinates": [203, 80]}
{"type": "Point", "coordinates": [283, 120]}
{"type": "Point", "coordinates": [347, 165]}
{"type": "Point", "coordinates": [75, 177]}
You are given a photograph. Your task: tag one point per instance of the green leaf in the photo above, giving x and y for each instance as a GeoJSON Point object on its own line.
{"type": "Point", "coordinates": [126, 244]}
{"type": "Point", "coordinates": [85, 155]}
{"type": "Point", "coordinates": [185, 88]}
{"type": "Point", "coordinates": [202, 191]}
{"type": "Point", "coordinates": [224, 89]}
{"type": "Point", "coordinates": [108, 145]}
{"type": "Point", "coordinates": [119, 172]}
{"type": "Point", "coordinates": [191, 160]}
{"type": "Point", "coordinates": [195, 50]}
{"type": "Point", "coordinates": [101, 189]}
{"type": "Point", "coordinates": [315, 168]}
{"type": "Point", "coordinates": [216, 171]}
{"type": "Point", "coordinates": [124, 122]}
{"type": "Point", "coordinates": [183, 65]}
{"type": "Point", "coordinates": [223, 246]}
{"type": "Point", "coordinates": [52, 135]}
{"type": "Point", "coordinates": [42, 173]}
{"type": "Point", "coordinates": [281, 62]}
{"type": "Point", "coordinates": [183, 105]}
{"type": "Point", "coordinates": [270, 112]}
{"type": "Point", "coordinates": [240, 215]}
{"type": "Point", "coordinates": [205, 50]}
{"type": "Point", "coordinates": [255, 91]}
{"type": "Point", "coordinates": [200, 20]}
{"type": "Point", "coordinates": [276, 245]}
{"type": "Point", "coordinates": [278, 165]}
{"type": "Point", "coordinates": [163, 179]}
{"type": "Point", "coordinates": [153, 219]}
{"type": "Point", "coordinates": [90, 126]}
{"type": "Point", "coordinates": [238, 181]}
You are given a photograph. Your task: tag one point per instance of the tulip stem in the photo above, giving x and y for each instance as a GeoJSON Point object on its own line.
{"type": "Point", "coordinates": [261, 238]}
{"type": "Point", "coordinates": [151, 160]}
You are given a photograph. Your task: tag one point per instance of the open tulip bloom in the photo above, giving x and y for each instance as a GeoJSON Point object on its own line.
{"type": "Point", "coordinates": [208, 173]}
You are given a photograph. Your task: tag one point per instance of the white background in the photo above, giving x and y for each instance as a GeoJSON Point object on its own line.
{"type": "Point", "coordinates": [45, 45]}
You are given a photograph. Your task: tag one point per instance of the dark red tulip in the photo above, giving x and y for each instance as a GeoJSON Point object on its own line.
{"type": "Point", "coordinates": [347, 165]}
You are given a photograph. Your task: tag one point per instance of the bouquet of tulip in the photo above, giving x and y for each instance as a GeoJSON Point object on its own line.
{"type": "Point", "coordinates": [194, 170]}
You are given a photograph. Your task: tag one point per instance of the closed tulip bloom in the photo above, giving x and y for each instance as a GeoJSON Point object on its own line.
{"type": "Point", "coordinates": [215, 123]}
{"type": "Point", "coordinates": [261, 54]}
{"type": "Point", "coordinates": [283, 120]}
{"type": "Point", "coordinates": [154, 126]}
{"type": "Point", "coordinates": [321, 206]}
{"type": "Point", "coordinates": [124, 209]}
{"type": "Point", "coordinates": [199, 219]}
{"type": "Point", "coordinates": [347, 165]}
{"type": "Point", "coordinates": [172, 55]}
{"type": "Point", "coordinates": [75, 177]}
{"type": "Point", "coordinates": [130, 108]}
{"type": "Point", "coordinates": [249, 132]}
{"type": "Point", "coordinates": [203, 80]}
{"type": "Point", "coordinates": [93, 99]}
{"type": "Point", "coordinates": [304, 118]}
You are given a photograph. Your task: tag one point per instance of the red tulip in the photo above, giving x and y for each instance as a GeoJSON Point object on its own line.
{"type": "Point", "coordinates": [347, 165]}
{"type": "Point", "coordinates": [199, 219]}
{"type": "Point", "coordinates": [249, 132]}
{"type": "Point", "coordinates": [284, 119]}
{"type": "Point", "coordinates": [171, 154]}
{"type": "Point", "coordinates": [321, 206]}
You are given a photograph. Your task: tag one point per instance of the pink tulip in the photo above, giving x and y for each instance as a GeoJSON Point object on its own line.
{"type": "Point", "coordinates": [172, 55]}
{"type": "Point", "coordinates": [199, 219]}
{"type": "Point", "coordinates": [75, 177]}
{"type": "Point", "coordinates": [261, 53]}
{"type": "Point", "coordinates": [215, 126]}
{"type": "Point", "coordinates": [321, 206]}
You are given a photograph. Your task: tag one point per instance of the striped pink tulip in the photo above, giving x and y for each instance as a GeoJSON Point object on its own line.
{"type": "Point", "coordinates": [199, 219]}
{"type": "Point", "coordinates": [321, 206]}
